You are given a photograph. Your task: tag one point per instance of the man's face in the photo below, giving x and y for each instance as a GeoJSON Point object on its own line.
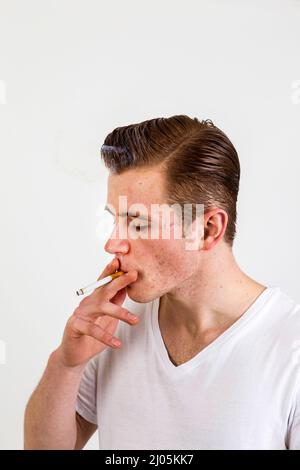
{"type": "Point", "coordinates": [162, 263]}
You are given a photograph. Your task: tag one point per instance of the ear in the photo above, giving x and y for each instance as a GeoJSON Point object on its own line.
{"type": "Point", "coordinates": [215, 223]}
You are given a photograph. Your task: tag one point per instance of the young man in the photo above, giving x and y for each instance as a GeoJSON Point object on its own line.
{"type": "Point", "coordinates": [210, 359]}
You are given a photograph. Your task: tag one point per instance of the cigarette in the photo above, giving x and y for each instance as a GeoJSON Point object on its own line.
{"type": "Point", "coordinates": [99, 283]}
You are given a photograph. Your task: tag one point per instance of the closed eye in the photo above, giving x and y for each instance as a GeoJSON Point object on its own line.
{"type": "Point", "coordinates": [140, 227]}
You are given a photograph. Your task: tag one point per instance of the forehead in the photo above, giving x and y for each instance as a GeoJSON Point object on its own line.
{"type": "Point", "coordinates": [141, 185]}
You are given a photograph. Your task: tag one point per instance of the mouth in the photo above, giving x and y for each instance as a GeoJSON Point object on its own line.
{"type": "Point", "coordinates": [121, 268]}
{"type": "Point", "coordinates": [125, 269]}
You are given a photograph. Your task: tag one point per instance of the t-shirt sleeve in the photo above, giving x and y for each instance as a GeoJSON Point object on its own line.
{"type": "Point", "coordinates": [86, 404]}
{"type": "Point", "coordinates": [294, 428]}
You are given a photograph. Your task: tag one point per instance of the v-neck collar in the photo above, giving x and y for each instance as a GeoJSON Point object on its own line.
{"type": "Point", "coordinates": [178, 372]}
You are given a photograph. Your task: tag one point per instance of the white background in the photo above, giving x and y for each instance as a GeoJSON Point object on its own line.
{"type": "Point", "coordinates": [72, 71]}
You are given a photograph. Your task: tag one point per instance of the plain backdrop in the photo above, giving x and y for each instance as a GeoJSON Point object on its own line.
{"type": "Point", "coordinates": [70, 72]}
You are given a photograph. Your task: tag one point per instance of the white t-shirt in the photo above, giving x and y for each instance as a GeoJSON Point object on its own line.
{"type": "Point", "coordinates": [241, 392]}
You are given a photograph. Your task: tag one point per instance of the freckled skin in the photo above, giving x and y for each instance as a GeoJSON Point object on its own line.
{"type": "Point", "coordinates": [202, 291]}
{"type": "Point", "coordinates": [162, 264]}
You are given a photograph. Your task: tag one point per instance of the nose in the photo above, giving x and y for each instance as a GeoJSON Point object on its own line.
{"type": "Point", "coordinates": [116, 245]}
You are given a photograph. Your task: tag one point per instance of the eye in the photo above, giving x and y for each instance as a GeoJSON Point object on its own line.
{"type": "Point", "coordinates": [140, 227]}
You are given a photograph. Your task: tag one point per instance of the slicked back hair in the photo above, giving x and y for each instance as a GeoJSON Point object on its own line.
{"type": "Point", "coordinates": [200, 163]}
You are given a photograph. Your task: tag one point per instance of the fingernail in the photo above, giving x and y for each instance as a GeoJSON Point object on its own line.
{"type": "Point", "coordinates": [132, 317]}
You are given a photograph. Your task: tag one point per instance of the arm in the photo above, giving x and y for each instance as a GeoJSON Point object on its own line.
{"type": "Point", "coordinates": [85, 430]}
{"type": "Point", "coordinates": [50, 420]}
{"type": "Point", "coordinates": [50, 417]}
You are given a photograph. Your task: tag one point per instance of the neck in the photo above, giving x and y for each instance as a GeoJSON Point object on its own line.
{"type": "Point", "coordinates": [213, 298]}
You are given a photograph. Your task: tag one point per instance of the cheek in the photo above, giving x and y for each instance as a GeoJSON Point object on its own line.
{"type": "Point", "coordinates": [168, 260]}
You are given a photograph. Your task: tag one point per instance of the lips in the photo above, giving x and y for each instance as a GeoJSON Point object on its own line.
{"type": "Point", "coordinates": [126, 270]}
{"type": "Point", "coordinates": [120, 268]}
{"type": "Point", "coordinates": [123, 268]}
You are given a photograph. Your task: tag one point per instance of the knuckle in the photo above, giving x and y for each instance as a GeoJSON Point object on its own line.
{"type": "Point", "coordinates": [94, 330]}
{"type": "Point", "coordinates": [104, 297]}
{"type": "Point", "coordinates": [77, 323]}
{"type": "Point", "coordinates": [77, 312]}
{"type": "Point", "coordinates": [106, 337]}
{"type": "Point", "coordinates": [106, 289]}
{"type": "Point", "coordinates": [100, 306]}
{"type": "Point", "coordinates": [70, 322]}
{"type": "Point", "coordinates": [84, 302]}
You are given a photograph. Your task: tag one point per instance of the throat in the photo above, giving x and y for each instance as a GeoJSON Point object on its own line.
{"type": "Point", "coordinates": [181, 345]}
{"type": "Point", "coordinates": [181, 350]}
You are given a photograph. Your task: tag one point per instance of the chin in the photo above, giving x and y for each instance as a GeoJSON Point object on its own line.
{"type": "Point", "coordinates": [138, 296]}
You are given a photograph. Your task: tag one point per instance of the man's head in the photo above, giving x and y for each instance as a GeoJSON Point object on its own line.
{"type": "Point", "coordinates": [173, 161]}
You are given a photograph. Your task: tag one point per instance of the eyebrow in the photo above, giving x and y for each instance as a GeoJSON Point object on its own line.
{"type": "Point", "coordinates": [132, 215]}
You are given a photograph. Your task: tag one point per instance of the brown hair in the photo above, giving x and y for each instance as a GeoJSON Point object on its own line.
{"type": "Point", "coordinates": [200, 163]}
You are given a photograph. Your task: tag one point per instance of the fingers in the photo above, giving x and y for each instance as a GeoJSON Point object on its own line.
{"type": "Point", "coordinates": [93, 311]}
{"type": "Point", "coordinates": [110, 290]}
{"type": "Point", "coordinates": [86, 327]}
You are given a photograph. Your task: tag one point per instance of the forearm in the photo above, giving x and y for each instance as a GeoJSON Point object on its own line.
{"type": "Point", "coordinates": [50, 415]}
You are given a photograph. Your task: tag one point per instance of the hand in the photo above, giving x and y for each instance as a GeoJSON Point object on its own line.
{"type": "Point", "coordinates": [90, 329]}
